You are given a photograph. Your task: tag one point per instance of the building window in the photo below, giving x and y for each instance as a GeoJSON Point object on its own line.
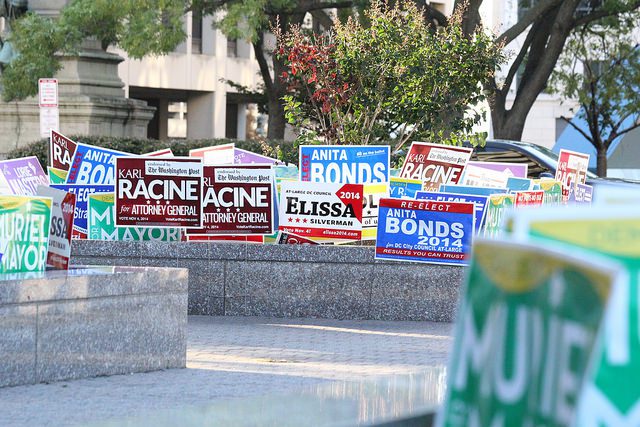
{"type": "Point", "coordinates": [231, 128]}
{"type": "Point", "coordinates": [196, 32]}
{"type": "Point", "coordinates": [232, 48]}
{"type": "Point", "coordinates": [177, 120]}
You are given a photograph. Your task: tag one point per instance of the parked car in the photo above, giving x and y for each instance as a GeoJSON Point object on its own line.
{"type": "Point", "coordinates": [541, 161]}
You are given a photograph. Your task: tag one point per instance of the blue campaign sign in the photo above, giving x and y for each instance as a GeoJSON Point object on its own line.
{"type": "Point", "coordinates": [82, 203]}
{"type": "Point", "coordinates": [480, 202]}
{"type": "Point", "coordinates": [347, 164]}
{"type": "Point", "coordinates": [519, 184]}
{"type": "Point", "coordinates": [404, 187]}
{"type": "Point", "coordinates": [425, 231]}
{"type": "Point", "coordinates": [93, 165]}
{"type": "Point", "coordinates": [468, 189]}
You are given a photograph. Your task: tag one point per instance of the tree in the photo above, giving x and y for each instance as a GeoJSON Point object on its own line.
{"type": "Point", "coordinates": [600, 67]}
{"type": "Point", "coordinates": [359, 84]}
{"type": "Point", "coordinates": [153, 27]}
{"type": "Point", "coordinates": [545, 26]}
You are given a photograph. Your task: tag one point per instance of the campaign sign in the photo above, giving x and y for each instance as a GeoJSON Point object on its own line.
{"type": "Point", "coordinates": [158, 192]}
{"type": "Point", "coordinates": [479, 176]}
{"type": "Point", "coordinates": [518, 170]}
{"type": "Point", "coordinates": [82, 193]}
{"type": "Point", "coordinates": [372, 195]}
{"type": "Point", "coordinates": [465, 189]}
{"type": "Point", "coordinates": [347, 164]}
{"type": "Point", "coordinates": [102, 225]}
{"type": "Point", "coordinates": [283, 238]}
{"type": "Point", "coordinates": [238, 199]}
{"type": "Point", "coordinates": [519, 184]}
{"type": "Point", "coordinates": [63, 207]}
{"type": "Point", "coordinates": [552, 191]}
{"type": "Point", "coordinates": [60, 234]}
{"type": "Point", "coordinates": [22, 176]}
{"type": "Point", "coordinates": [524, 334]}
{"type": "Point", "coordinates": [497, 207]}
{"type": "Point", "coordinates": [425, 231]}
{"type": "Point", "coordinates": [322, 211]}
{"type": "Point", "coordinates": [581, 194]}
{"type": "Point", "coordinates": [244, 157]}
{"type": "Point", "coordinates": [93, 165]}
{"type": "Point", "coordinates": [24, 233]}
{"type": "Point", "coordinates": [435, 164]}
{"type": "Point", "coordinates": [165, 152]}
{"type": "Point", "coordinates": [528, 198]}
{"type": "Point", "coordinates": [61, 151]}
{"type": "Point", "coordinates": [572, 170]}
{"type": "Point", "coordinates": [480, 203]}
{"type": "Point", "coordinates": [605, 399]}
{"type": "Point", "coordinates": [216, 155]}
{"type": "Point", "coordinates": [403, 187]}
{"type": "Point", "coordinates": [56, 176]}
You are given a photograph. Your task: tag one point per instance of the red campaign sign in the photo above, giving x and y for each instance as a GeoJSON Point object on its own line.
{"type": "Point", "coordinates": [529, 198]}
{"type": "Point", "coordinates": [237, 199]}
{"type": "Point", "coordinates": [435, 164]}
{"type": "Point", "coordinates": [158, 192]}
{"type": "Point", "coordinates": [61, 151]}
{"type": "Point", "coordinates": [572, 170]}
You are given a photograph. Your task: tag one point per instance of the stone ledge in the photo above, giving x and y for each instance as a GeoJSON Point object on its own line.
{"type": "Point", "coordinates": [343, 282]}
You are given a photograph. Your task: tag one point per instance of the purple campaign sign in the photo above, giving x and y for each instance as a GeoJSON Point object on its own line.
{"type": "Point", "coordinates": [22, 176]}
{"type": "Point", "coordinates": [518, 170]}
{"type": "Point", "coordinates": [241, 156]}
{"type": "Point", "coordinates": [581, 194]}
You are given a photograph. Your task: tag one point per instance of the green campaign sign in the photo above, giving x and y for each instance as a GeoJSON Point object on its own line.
{"type": "Point", "coordinates": [497, 206]}
{"type": "Point", "coordinates": [101, 223]}
{"type": "Point", "coordinates": [613, 231]}
{"type": "Point", "coordinates": [525, 331]}
{"type": "Point", "coordinates": [24, 233]}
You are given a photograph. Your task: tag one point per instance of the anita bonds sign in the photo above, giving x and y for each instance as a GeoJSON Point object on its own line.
{"type": "Point", "coordinates": [524, 333]}
{"type": "Point", "coordinates": [157, 192]}
{"type": "Point", "coordinates": [62, 209]}
{"type": "Point", "coordinates": [238, 199]}
{"type": "Point", "coordinates": [424, 231]}
{"type": "Point", "coordinates": [61, 151]}
{"type": "Point", "coordinates": [322, 211]}
{"type": "Point", "coordinates": [101, 223]}
{"type": "Point", "coordinates": [348, 164]}
{"type": "Point", "coordinates": [24, 233]}
{"type": "Point", "coordinates": [93, 165]}
{"type": "Point", "coordinates": [435, 164]}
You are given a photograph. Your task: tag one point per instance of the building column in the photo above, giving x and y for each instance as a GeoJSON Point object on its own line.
{"type": "Point", "coordinates": [242, 122]}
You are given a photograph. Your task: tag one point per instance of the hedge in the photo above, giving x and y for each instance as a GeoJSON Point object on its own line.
{"type": "Point", "coordinates": [286, 151]}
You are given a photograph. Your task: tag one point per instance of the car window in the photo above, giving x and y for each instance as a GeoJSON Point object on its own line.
{"type": "Point", "coordinates": [508, 156]}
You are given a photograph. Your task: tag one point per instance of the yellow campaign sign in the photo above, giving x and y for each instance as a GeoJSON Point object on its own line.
{"type": "Point", "coordinates": [620, 237]}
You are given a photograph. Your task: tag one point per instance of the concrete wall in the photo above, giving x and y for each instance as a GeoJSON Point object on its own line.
{"type": "Point", "coordinates": [58, 325]}
{"type": "Point", "coordinates": [292, 281]}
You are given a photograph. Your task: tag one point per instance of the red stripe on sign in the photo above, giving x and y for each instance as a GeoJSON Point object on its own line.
{"type": "Point", "coordinates": [420, 254]}
{"type": "Point", "coordinates": [428, 205]}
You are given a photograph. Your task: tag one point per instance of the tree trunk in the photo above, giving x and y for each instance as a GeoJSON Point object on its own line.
{"type": "Point", "coordinates": [602, 161]}
{"type": "Point", "coordinates": [277, 122]}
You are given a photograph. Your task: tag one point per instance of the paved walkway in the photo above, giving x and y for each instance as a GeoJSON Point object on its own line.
{"type": "Point", "coordinates": [230, 357]}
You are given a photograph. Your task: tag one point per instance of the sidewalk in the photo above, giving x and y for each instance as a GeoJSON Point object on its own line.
{"type": "Point", "coordinates": [230, 357]}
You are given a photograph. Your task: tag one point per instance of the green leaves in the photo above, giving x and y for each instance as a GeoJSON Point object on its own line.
{"type": "Point", "coordinates": [140, 27]}
{"type": "Point", "coordinates": [406, 81]}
